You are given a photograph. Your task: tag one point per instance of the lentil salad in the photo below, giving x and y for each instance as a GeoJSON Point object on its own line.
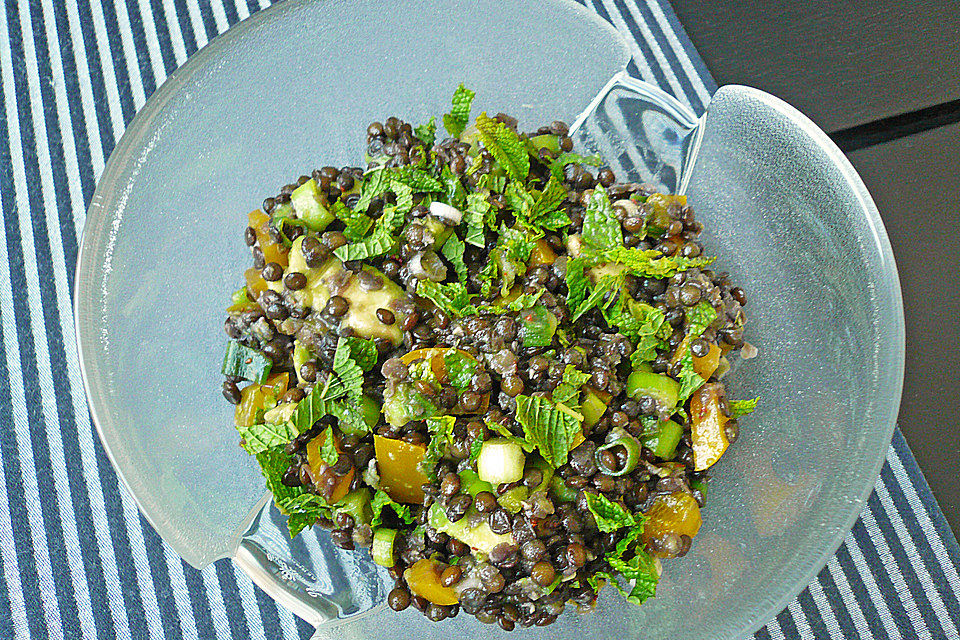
{"type": "Point", "coordinates": [488, 361]}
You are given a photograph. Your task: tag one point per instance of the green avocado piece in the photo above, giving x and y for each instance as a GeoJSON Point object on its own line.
{"type": "Point", "coordinates": [479, 537]}
{"type": "Point", "coordinates": [331, 278]}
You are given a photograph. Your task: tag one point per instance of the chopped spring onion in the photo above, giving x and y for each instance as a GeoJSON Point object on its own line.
{"type": "Point", "coordinates": [383, 547]}
{"type": "Point", "coordinates": [500, 461]}
{"type": "Point", "coordinates": [632, 449]}
{"type": "Point", "coordinates": [664, 442]}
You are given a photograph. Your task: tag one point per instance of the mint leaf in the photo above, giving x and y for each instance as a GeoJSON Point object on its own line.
{"type": "Point", "coordinates": [441, 436]}
{"type": "Point", "coordinates": [650, 263]}
{"type": "Point", "coordinates": [568, 391]}
{"type": "Point", "coordinates": [328, 449]}
{"type": "Point", "coordinates": [357, 223]}
{"type": "Point", "coordinates": [609, 515]}
{"type": "Point", "coordinates": [519, 200]}
{"type": "Point", "coordinates": [304, 511]}
{"type": "Point", "coordinates": [553, 195]}
{"type": "Point", "coordinates": [689, 379]}
{"type": "Point", "coordinates": [700, 317]}
{"type": "Point", "coordinates": [416, 179]}
{"type": "Point", "coordinates": [642, 569]}
{"type": "Point", "coordinates": [453, 250]}
{"type": "Point", "coordinates": [376, 183]}
{"type": "Point", "coordinates": [460, 368]}
{"type": "Point", "coordinates": [742, 407]}
{"type": "Point", "coordinates": [577, 283]}
{"type": "Point", "coordinates": [317, 404]}
{"type": "Point", "coordinates": [451, 298]}
{"type": "Point", "coordinates": [427, 133]}
{"type": "Point", "coordinates": [452, 187]}
{"type": "Point", "coordinates": [390, 220]}
{"type": "Point", "coordinates": [245, 362]}
{"type": "Point", "coordinates": [477, 208]}
{"type": "Point", "coordinates": [273, 465]}
{"type": "Point", "coordinates": [492, 182]}
{"type": "Point", "coordinates": [348, 372]}
{"type": "Point", "coordinates": [380, 500]}
{"type": "Point", "coordinates": [607, 285]}
{"type": "Point", "coordinates": [377, 244]}
{"type": "Point", "coordinates": [404, 195]}
{"type": "Point", "coordinates": [601, 230]}
{"type": "Point", "coordinates": [652, 332]}
{"type": "Point", "coordinates": [505, 146]}
{"type": "Point", "coordinates": [261, 437]}
{"type": "Point", "coordinates": [548, 427]}
{"type": "Point", "coordinates": [456, 121]}
{"type": "Point", "coordinates": [506, 433]}
{"type": "Point", "coordinates": [516, 245]}
{"type": "Point", "coordinates": [363, 352]}
{"type": "Point", "coordinates": [556, 167]}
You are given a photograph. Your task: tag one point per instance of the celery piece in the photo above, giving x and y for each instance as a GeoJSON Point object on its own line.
{"type": "Point", "coordinates": [665, 390]}
{"type": "Point", "coordinates": [664, 442]}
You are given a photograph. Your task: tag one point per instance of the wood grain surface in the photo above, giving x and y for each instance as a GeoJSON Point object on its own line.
{"type": "Point", "coordinates": [842, 62]}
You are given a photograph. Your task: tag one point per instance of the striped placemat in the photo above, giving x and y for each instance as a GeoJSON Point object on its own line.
{"type": "Point", "coordinates": [77, 559]}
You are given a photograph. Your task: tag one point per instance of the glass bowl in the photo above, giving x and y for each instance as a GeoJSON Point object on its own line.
{"type": "Point", "coordinates": [292, 88]}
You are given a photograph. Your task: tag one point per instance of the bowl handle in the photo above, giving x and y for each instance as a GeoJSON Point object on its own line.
{"type": "Point", "coordinates": [308, 575]}
{"type": "Point", "coordinates": [643, 133]}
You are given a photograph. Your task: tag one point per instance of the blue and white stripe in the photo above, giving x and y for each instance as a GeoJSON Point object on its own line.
{"type": "Point", "coordinates": [77, 559]}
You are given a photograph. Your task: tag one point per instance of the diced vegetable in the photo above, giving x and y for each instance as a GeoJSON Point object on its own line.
{"type": "Point", "coordinates": [560, 490]}
{"type": "Point", "coordinates": [705, 366]}
{"type": "Point", "coordinates": [675, 512]}
{"type": "Point", "coordinates": [546, 141]}
{"type": "Point", "coordinates": [629, 445]}
{"type": "Point", "coordinates": [501, 460]}
{"type": "Point", "coordinates": [423, 578]}
{"type": "Point", "coordinates": [301, 353]}
{"type": "Point", "coordinates": [356, 504]}
{"type": "Point", "coordinates": [400, 475]}
{"type": "Point", "coordinates": [280, 413]}
{"type": "Point", "coordinates": [512, 498]}
{"type": "Point", "coordinates": [663, 389]}
{"type": "Point", "coordinates": [542, 253]}
{"type": "Point", "coordinates": [318, 465]}
{"type": "Point", "coordinates": [472, 529]}
{"type": "Point", "coordinates": [272, 251]}
{"type": "Point", "coordinates": [361, 315]}
{"type": "Point", "coordinates": [592, 408]}
{"type": "Point", "coordinates": [658, 219]}
{"type": "Point", "coordinates": [256, 285]}
{"type": "Point", "coordinates": [438, 230]}
{"type": "Point", "coordinates": [382, 551]}
{"type": "Point", "coordinates": [664, 442]}
{"type": "Point", "coordinates": [708, 422]}
{"type": "Point", "coordinates": [253, 398]}
{"type": "Point", "coordinates": [538, 326]}
{"type": "Point", "coordinates": [311, 206]}
{"type": "Point", "coordinates": [472, 482]}
{"type": "Point", "coordinates": [245, 362]}
{"type": "Point", "coordinates": [403, 402]}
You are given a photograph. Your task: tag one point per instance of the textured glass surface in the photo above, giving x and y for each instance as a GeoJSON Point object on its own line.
{"type": "Point", "coordinates": [784, 212]}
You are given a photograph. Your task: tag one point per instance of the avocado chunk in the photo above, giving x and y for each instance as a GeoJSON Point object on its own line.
{"type": "Point", "coordinates": [311, 206]}
{"type": "Point", "coordinates": [331, 278]}
{"type": "Point", "coordinates": [472, 529]}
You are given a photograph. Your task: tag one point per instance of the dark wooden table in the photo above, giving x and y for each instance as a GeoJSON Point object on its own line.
{"type": "Point", "coordinates": [883, 78]}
